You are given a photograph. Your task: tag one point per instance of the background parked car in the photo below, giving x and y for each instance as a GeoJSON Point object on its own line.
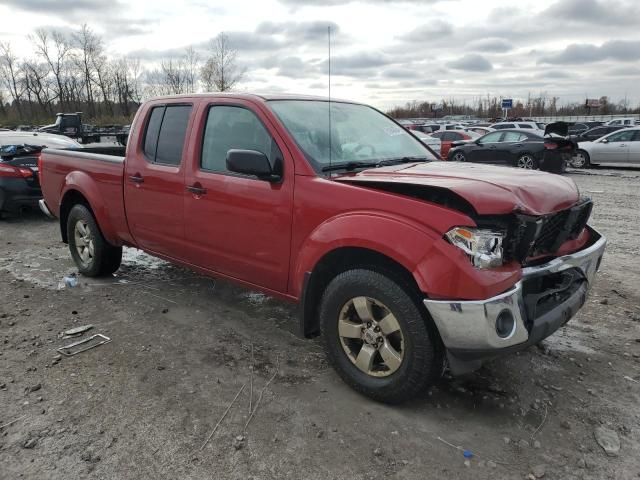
{"type": "Point", "coordinates": [595, 133]}
{"type": "Point", "coordinates": [629, 121]}
{"type": "Point", "coordinates": [518, 148]}
{"type": "Point", "coordinates": [35, 138]}
{"type": "Point", "coordinates": [621, 147]}
{"type": "Point", "coordinates": [447, 137]}
{"type": "Point", "coordinates": [19, 153]}
{"type": "Point", "coordinates": [479, 130]}
{"type": "Point", "coordinates": [432, 142]}
{"type": "Point", "coordinates": [535, 127]}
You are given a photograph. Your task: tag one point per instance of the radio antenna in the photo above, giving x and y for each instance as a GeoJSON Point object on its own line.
{"type": "Point", "coordinates": [329, 103]}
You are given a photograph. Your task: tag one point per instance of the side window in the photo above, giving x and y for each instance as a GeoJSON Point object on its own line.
{"type": "Point", "coordinates": [636, 137]}
{"type": "Point", "coordinates": [512, 137]}
{"type": "Point", "coordinates": [166, 131]}
{"type": "Point", "coordinates": [625, 136]}
{"type": "Point", "coordinates": [491, 137]}
{"type": "Point", "coordinates": [151, 136]}
{"type": "Point", "coordinates": [525, 125]}
{"type": "Point", "coordinates": [448, 137]}
{"type": "Point", "coordinates": [230, 128]}
{"type": "Point", "coordinates": [438, 135]}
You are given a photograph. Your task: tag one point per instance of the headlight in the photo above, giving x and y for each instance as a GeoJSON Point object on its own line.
{"type": "Point", "coordinates": [484, 247]}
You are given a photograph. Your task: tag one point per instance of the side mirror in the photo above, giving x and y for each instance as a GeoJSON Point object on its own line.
{"type": "Point", "coordinates": [604, 140]}
{"type": "Point", "coordinates": [251, 162]}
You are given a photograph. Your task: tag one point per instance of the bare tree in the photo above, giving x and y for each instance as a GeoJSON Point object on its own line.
{"type": "Point", "coordinates": [9, 75]}
{"type": "Point", "coordinates": [54, 55]}
{"type": "Point", "coordinates": [90, 46]}
{"type": "Point", "coordinates": [220, 71]}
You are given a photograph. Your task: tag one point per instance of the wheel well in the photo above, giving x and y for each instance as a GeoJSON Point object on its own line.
{"type": "Point", "coordinates": [336, 262]}
{"type": "Point", "coordinates": [71, 198]}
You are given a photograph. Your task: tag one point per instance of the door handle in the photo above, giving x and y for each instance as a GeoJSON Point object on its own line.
{"type": "Point", "coordinates": [622, 145]}
{"type": "Point", "coordinates": [137, 178]}
{"type": "Point", "coordinates": [196, 189]}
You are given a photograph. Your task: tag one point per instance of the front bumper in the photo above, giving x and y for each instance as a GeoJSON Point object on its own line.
{"type": "Point", "coordinates": [546, 297]}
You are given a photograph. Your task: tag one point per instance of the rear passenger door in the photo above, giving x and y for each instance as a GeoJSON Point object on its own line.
{"type": "Point", "coordinates": [239, 225]}
{"type": "Point", "coordinates": [509, 147]}
{"type": "Point", "coordinates": [154, 180]}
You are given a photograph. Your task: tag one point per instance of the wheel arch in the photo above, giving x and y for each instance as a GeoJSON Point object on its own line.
{"type": "Point", "coordinates": [340, 260]}
{"type": "Point", "coordinates": [71, 198]}
{"type": "Point", "coordinates": [80, 188]}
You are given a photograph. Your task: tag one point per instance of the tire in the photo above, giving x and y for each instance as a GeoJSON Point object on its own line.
{"type": "Point", "coordinates": [413, 337]}
{"type": "Point", "coordinates": [581, 160]}
{"type": "Point", "coordinates": [458, 157]}
{"type": "Point", "coordinates": [98, 257]}
{"type": "Point", "coordinates": [527, 161]}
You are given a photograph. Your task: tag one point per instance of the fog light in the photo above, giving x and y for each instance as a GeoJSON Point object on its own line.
{"type": "Point", "coordinates": [505, 324]}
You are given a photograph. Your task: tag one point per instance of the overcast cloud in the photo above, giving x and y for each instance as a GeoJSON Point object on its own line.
{"type": "Point", "coordinates": [384, 52]}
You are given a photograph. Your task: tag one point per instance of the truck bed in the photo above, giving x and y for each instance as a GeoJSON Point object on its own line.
{"type": "Point", "coordinates": [96, 176]}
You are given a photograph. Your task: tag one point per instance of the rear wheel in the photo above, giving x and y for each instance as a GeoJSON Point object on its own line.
{"type": "Point", "coordinates": [581, 160]}
{"type": "Point", "coordinates": [377, 337]}
{"type": "Point", "coordinates": [459, 157]}
{"type": "Point", "coordinates": [92, 254]}
{"type": "Point", "coordinates": [527, 161]}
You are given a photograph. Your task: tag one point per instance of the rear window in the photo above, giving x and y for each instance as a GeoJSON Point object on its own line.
{"type": "Point", "coordinates": [166, 131]}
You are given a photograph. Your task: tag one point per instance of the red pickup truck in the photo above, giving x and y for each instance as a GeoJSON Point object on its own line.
{"type": "Point", "coordinates": [401, 263]}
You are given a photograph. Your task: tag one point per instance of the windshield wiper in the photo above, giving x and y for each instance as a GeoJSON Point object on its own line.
{"type": "Point", "coordinates": [380, 163]}
{"type": "Point", "coordinates": [393, 161]}
{"type": "Point", "coordinates": [349, 166]}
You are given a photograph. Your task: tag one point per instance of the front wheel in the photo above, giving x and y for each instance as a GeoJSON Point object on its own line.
{"type": "Point", "coordinates": [527, 162]}
{"type": "Point", "coordinates": [459, 157]}
{"type": "Point", "coordinates": [377, 337]}
{"type": "Point", "coordinates": [92, 254]}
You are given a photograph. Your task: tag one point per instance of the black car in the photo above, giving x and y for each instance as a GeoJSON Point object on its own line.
{"type": "Point", "coordinates": [19, 183]}
{"type": "Point", "coordinates": [517, 148]}
{"type": "Point", "coordinates": [596, 133]}
{"type": "Point", "coordinates": [581, 127]}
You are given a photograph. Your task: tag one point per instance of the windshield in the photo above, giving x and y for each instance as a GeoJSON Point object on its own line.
{"type": "Point", "coordinates": [359, 134]}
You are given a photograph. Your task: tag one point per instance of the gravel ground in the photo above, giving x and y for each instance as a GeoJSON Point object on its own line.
{"type": "Point", "coordinates": [143, 405]}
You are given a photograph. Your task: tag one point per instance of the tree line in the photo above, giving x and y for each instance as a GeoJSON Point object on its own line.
{"type": "Point", "coordinates": [73, 72]}
{"type": "Point", "coordinates": [491, 107]}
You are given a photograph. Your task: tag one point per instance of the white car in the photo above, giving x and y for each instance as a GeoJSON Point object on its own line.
{"type": "Point", "coordinates": [479, 130]}
{"type": "Point", "coordinates": [432, 142]}
{"type": "Point", "coordinates": [534, 127]}
{"type": "Point", "coordinates": [630, 121]}
{"type": "Point", "coordinates": [36, 138]}
{"type": "Point", "coordinates": [621, 147]}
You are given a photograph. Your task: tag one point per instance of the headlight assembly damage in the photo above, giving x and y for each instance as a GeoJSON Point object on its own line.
{"type": "Point", "coordinates": [483, 246]}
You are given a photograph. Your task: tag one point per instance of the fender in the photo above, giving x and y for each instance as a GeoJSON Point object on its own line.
{"type": "Point", "coordinates": [86, 185]}
{"type": "Point", "coordinates": [439, 269]}
{"type": "Point", "coordinates": [371, 230]}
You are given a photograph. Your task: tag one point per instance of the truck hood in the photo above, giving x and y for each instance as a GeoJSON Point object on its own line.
{"type": "Point", "coordinates": [489, 190]}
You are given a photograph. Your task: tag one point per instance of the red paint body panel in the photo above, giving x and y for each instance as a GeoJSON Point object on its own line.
{"type": "Point", "coordinates": [268, 235]}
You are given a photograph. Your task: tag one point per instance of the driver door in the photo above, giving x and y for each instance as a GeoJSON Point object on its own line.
{"type": "Point", "coordinates": [235, 224]}
{"type": "Point", "coordinates": [487, 147]}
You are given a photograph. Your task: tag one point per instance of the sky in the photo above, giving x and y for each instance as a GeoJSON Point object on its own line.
{"type": "Point", "coordinates": [383, 52]}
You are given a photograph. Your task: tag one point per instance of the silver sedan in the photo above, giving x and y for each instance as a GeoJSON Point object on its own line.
{"type": "Point", "coordinates": [620, 148]}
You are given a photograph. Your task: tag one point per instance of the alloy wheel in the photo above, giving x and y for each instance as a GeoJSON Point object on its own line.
{"type": "Point", "coordinates": [458, 157]}
{"type": "Point", "coordinates": [578, 160]}
{"type": "Point", "coordinates": [371, 336]}
{"type": "Point", "coordinates": [84, 242]}
{"type": "Point", "coordinates": [526, 162]}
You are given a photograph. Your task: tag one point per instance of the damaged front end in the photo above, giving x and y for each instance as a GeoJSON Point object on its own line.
{"type": "Point", "coordinates": [553, 287]}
